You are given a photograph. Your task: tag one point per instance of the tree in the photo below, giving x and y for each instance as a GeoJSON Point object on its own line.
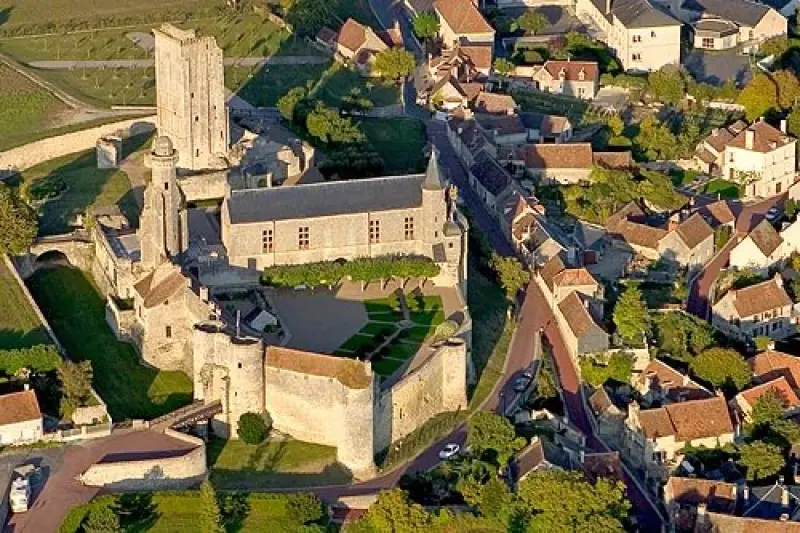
{"type": "Point", "coordinates": [531, 22]}
{"type": "Point", "coordinates": [394, 63]}
{"type": "Point", "coordinates": [426, 26]}
{"type": "Point", "coordinates": [793, 122]}
{"type": "Point", "coordinates": [511, 274]}
{"type": "Point", "coordinates": [762, 342]}
{"type": "Point", "coordinates": [760, 459]}
{"type": "Point", "coordinates": [304, 507]}
{"type": "Point", "coordinates": [496, 500]}
{"type": "Point", "coordinates": [491, 433]}
{"type": "Point", "coordinates": [767, 422]}
{"type": "Point", "coordinates": [616, 125]}
{"type": "Point", "coordinates": [681, 336]}
{"type": "Point", "coordinates": [655, 140]}
{"type": "Point", "coordinates": [18, 222]}
{"type": "Point", "coordinates": [776, 46]}
{"type": "Point", "coordinates": [393, 512]}
{"type": "Point", "coordinates": [101, 519]}
{"type": "Point", "coordinates": [631, 316]}
{"type": "Point", "coordinates": [722, 367]}
{"type": "Point", "coordinates": [599, 369]}
{"type": "Point", "coordinates": [325, 124]}
{"type": "Point", "coordinates": [288, 102]}
{"type": "Point", "coordinates": [209, 513]}
{"type": "Point", "coordinates": [788, 88]}
{"type": "Point", "coordinates": [759, 96]}
{"type": "Point", "coordinates": [76, 384]}
{"type": "Point", "coordinates": [667, 84]}
{"type": "Point", "coordinates": [252, 428]}
{"type": "Point", "coordinates": [503, 67]}
{"type": "Point", "coordinates": [307, 17]}
{"type": "Point", "coordinates": [566, 501]}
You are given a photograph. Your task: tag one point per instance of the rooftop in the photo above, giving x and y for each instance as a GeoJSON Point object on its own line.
{"type": "Point", "coordinates": [717, 495]}
{"type": "Point", "coordinates": [351, 373]}
{"type": "Point", "coordinates": [766, 238]}
{"type": "Point", "coordinates": [777, 386]}
{"type": "Point", "coordinates": [689, 420]}
{"type": "Point", "coordinates": [572, 70]}
{"type": "Point", "coordinates": [771, 364]}
{"type": "Point", "coordinates": [694, 231]}
{"type": "Point", "coordinates": [19, 407]}
{"type": "Point", "coordinates": [758, 298]}
{"type": "Point", "coordinates": [462, 16]}
{"type": "Point", "coordinates": [575, 311]}
{"type": "Point", "coordinates": [490, 174]}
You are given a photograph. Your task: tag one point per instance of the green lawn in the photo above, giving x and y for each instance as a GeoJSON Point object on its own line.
{"type": "Point", "coordinates": [726, 189]}
{"type": "Point", "coordinates": [25, 108]}
{"type": "Point", "coordinates": [86, 186]}
{"type": "Point", "coordinates": [356, 341]}
{"type": "Point", "coordinates": [76, 312]}
{"type": "Point", "coordinates": [345, 80]}
{"type": "Point", "coordinates": [240, 466]}
{"type": "Point", "coordinates": [19, 325]}
{"type": "Point", "coordinates": [106, 87]}
{"type": "Point", "coordinates": [263, 86]}
{"type": "Point", "coordinates": [399, 141]}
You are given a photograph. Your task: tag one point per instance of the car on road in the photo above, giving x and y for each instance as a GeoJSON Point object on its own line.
{"type": "Point", "coordinates": [773, 214]}
{"type": "Point", "coordinates": [449, 451]}
{"type": "Point", "coordinates": [522, 382]}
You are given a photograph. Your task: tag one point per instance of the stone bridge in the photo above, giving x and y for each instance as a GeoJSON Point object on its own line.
{"type": "Point", "coordinates": [74, 249]}
{"type": "Point", "coordinates": [188, 415]}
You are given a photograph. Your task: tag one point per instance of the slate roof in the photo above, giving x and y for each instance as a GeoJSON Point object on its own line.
{"type": "Point", "coordinates": [640, 14]}
{"type": "Point", "coordinates": [473, 137]}
{"type": "Point", "coordinates": [350, 372]}
{"type": "Point", "coordinates": [689, 420]}
{"type": "Point", "coordinates": [19, 407]}
{"type": "Point", "coordinates": [766, 238]}
{"type": "Point", "coordinates": [772, 364]}
{"type": "Point", "coordinates": [462, 16]}
{"type": "Point", "coordinates": [758, 298]}
{"type": "Point", "coordinates": [490, 174]}
{"type": "Point", "coordinates": [325, 199]}
{"type": "Point", "coordinates": [739, 11]}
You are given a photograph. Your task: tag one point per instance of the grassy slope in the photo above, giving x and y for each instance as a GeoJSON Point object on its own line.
{"type": "Point", "coordinates": [76, 312]}
{"type": "Point", "coordinates": [19, 326]}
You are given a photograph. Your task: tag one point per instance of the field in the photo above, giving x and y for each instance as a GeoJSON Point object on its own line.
{"type": "Point", "coordinates": [236, 465]}
{"type": "Point", "coordinates": [19, 325]}
{"type": "Point", "coordinates": [76, 312]}
{"type": "Point", "coordinates": [25, 108]}
{"type": "Point", "coordinates": [263, 86]}
{"type": "Point", "coordinates": [399, 141]}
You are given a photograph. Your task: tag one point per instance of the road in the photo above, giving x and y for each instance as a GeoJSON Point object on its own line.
{"type": "Point", "coordinates": [144, 63]}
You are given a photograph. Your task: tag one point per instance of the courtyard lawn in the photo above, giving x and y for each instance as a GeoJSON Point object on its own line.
{"type": "Point", "coordinates": [357, 341]}
{"type": "Point", "coordinates": [19, 325]}
{"type": "Point", "coordinates": [86, 186]}
{"type": "Point", "coordinates": [25, 108]}
{"type": "Point", "coordinates": [263, 86]}
{"type": "Point", "coordinates": [343, 80]}
{"type": "Point", "coordinates": [399, 141]}
{"type": "Point", "coordinates": [725, 189]}
{"type": "Point", "coordinates": [288, 463]}
{"type": "Point", "coordinates": [76, 311]}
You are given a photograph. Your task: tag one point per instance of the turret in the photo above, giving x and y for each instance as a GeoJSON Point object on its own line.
{"type": "Point", "coordinates": [434, 200]}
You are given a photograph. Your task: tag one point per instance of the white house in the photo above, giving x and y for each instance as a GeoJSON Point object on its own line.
{"type": "Point", "coordinates": [20, 418]}
{"type": "Point", "coordinates": [759, 250]}
{"type": "Point", "coordinates": [580, 79]}
{"type": "Point", "coordinates": [763, 309]}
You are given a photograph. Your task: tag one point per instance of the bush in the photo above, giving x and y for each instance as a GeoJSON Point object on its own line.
{"type": "Point", "coordinates": [39, 358]}
{"type": "Point", "coordinates": [762, 342]}
{"type": "Point", "coordinates": [304, 507]}
{"type": "Point", "coordinates": [101, 519]}
{"type": "Point", "coordinates": [252, 428]}
{"type": "Point", "coordinates": [445, 330]}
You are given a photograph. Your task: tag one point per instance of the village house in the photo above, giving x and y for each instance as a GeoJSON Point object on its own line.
{"type": "Point", "coordinates": [567, 163]}
{"type": "Point", "coordinates": [520, 219]}
{"type": "Point", "coordinates": [759, 250]}
{"type": "Point", "coordinates": [20, 418]}
{"type": "Point", "coordinates": [494, 104]}
{"type": "Point", "coordinates": [580, 79]}
{"type": "Point", "coordinates": [654, 438]}
{"type": "Point", "coordinates": [643, 37]}
{"type": "Point", "coordinates": [489, 180]}
{"type": "Point", "coordinates": [683, 496]}
{"type": "Point", "coordinates": [358, 44]}
{"type": "Point", "coordinates": [453, 79]}
{"type": "Point", "coordinates": [771, 364]}
{"type": "Point", "coordinates": [546, 129]}
{"type": "Point", "coordinates": [763, 309]}
{"type": "Point", "coordinates": [659, 383]}
{"type": "Point", "coordinates": [469, 140]}
{"type": "Point", "coordinates": [745, 401]}
{"type": "Point", "coordinates": [506, 131]}
{"type": "Point", "coordinates": [609, 417]}
{"type": "Point", "coordinates": [462, 23]}
{"type": "Point", "coordinates": [718, 214]}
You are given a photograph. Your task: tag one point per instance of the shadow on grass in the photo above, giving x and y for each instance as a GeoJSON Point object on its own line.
{"type": "Point", "coordinates": [13, 339]}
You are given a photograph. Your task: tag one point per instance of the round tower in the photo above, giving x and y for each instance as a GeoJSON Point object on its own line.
{"type": "Point", "coordinates": [244, 359]}
{"type": "Point", "coordinates": [356, 448]}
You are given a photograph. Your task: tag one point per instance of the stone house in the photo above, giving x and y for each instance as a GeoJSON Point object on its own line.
{"type": "Point", "coordinates": [461, 22]}
{"type": "Point", "coordinates": [654, 438]}
{"type": "Point", "coordinates": [642, 36]}
{"type": "Point", "coordinates": [490, 181]}
{"type": "Point", "coordinates": [762, 248]}
{"type": "Point", "coordinates": [718, 214]}
{"type": "Point", "coordinates": [547, 129]}
{"type": "Point", "coordinates": [771, 364]}
{"type": "Point", "coordinates": [763, 309]}
{"type": "Point", "coordinates": [610, 418]}
{"type": "Point", "coordinates": [683, 496]}
{"type": "Point", "coordinates": [567, 163]}
{"type": "Point", "coordinates": [659, 383]}
{"type": "Point", "coordinates": [520, 219]}
{"type": "Point", "coordinates": [469, 140]}
{"type": "Point", "coordinates": [746, 400]}
{"type": "Point", "coordinates": [580, 79]}
{"type": "Point", "coordinates": [454, 78]}
{"type": "Point", "coordinates": [506, 131]}
{"type": "Point", "coordinates": [358, 44]}
{"type": "Point", "coordinates": [494, 104]}
{"type": "Point", "coordinates": [20, 418]}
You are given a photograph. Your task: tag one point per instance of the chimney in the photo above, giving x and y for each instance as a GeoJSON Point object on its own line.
{"type": "Point", "coordinates": [783, 126]}
{"type": "Point", "coordinates": [701, 515]}
{"type": "Point", "coordinates": [784, 494]}
{"type": "Point", "coordinates": [27, 386]}
{"type": "Point", "coordinates": [778, 279]}
{"type": "Point", "coordinates": [582, 455]}
{"type": "Point", "coordinates": [749, 139]}
{"type": "Point", "coordinates": [745, 494]}
{"type": "Point", "coordinates": [770, 345]}
{"type": "Point", "coordinates": [608, 7]}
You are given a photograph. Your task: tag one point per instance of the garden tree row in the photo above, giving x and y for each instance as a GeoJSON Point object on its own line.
{"type": "Point", "coordinates": [361, 269]}
{"type": "Point", "coordinates": [770, 93]}
{"type": "Point", "coordinates": [18, 222]}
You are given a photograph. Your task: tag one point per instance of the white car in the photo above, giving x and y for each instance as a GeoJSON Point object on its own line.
{"type": "Point", "coordinates": [451, 450]}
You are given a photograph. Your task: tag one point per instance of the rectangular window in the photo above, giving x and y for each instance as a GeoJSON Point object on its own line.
{"type": "Point", "coordinates": [266, 241]}
{"type": "Point", "coordinates": [408, 227]}
{"type": "Point", "coordinates": [636, 57]}
{"type": "Point", "coordinates": [169, 332]}
{"type": "Point", "coordinates": [303, 238]}
{"type": "Point", "coordinates": [374, 231]}
{"type": "Point", "coordinates": [708, 42]}
{"type": "Point", "coordinates": [637, 38]}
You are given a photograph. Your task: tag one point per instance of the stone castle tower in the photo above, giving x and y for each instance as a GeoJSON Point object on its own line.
{"type": "Point", "coordinates": [190, 97]}
{"type": "Point", "coordinates": [163, 225]}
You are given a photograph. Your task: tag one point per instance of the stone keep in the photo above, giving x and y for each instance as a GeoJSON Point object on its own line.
{"type": "Point", "coordinates": [163, 225]}
{"type": "Point", "coordinates": [190, 97]}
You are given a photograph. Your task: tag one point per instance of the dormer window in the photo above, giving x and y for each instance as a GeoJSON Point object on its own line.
{"type": "Point", "coordinates": [562, 74]}
{"type": "Point", "coordinates": [582, 75]}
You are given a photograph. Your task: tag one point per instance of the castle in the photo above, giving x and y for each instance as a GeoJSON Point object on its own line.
{"type": "Point", "coordinates": [172, 275]}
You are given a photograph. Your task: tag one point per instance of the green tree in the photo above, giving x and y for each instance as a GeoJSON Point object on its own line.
{"type": "Point", "coordinates": [565, 501]}
{"type": "Point", "coordinates": [655, 140]}
{"type": "Point", "coordinates": [496, 501]}
{"type": "Point", "coordinates": [767, 422]}
{"type": "Point", "coordinates": [793, 122]}
{"type": "Point", "coordinates": [759, 96]}
{"type": "Point", "coordinates": [631, 317]}
{"type": "Point", "coordinates": [325, 124]}
{"type": "Point", "coordinates": [18, 222]}
{"type": "Point", "coordinates": [307, 17]}
{"type": "Point", "coordinates": [531, 22]}
{"type": "Point", "coordinates": [616, 125]}
{"type": "Point", "coordinates": [76, 385]}
{"type": "Point", "coordinates": [762, 342]}
{"type": "Point", "coordinates": [209, 514]}
{"type": "Point", "coordinates": [599, 369]}
{"type": "Point", "coordinates": [680, 336]}
{"type": "Point", "coordinates": [394, 63]}
{"type": "Point", "coordinates": [788, 88]}
{"type": "Point", "coordinates": [492, 433]}
{"type": "Point", "coordinates": [287, 104]}
{"type": "Point", "coordinates": [426, 26]}
{"type": "Point", "coordinates": [101, 519]}
{"type": "Point", "coordinates": [252, 428]}
{"type": "Point", "coordinates": [393, 512]}
{"type": "Point", "coordinates": [667, 84]}
{"type": "Point", "coordinates": [776, 46]}
{"type": "Point", "coordinates": [760, 459]}
{"type": "Point", "coordinates": [510, 273]}
{"type": "Point", "coordinates": [503, 67]}
{"type": "Point", "coordinates": [304, 507]}
{"type": "Point", "coordinates": [722, 367]}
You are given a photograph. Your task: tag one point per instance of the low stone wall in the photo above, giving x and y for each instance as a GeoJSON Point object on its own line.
{"type": "Point", "coordinates": [165, 473]}
{"type": "Point", "coordinates": [31, 154]}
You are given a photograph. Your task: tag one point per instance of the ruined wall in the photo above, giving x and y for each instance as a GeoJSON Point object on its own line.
{"type": "Point", "coordinates": [208, 186]}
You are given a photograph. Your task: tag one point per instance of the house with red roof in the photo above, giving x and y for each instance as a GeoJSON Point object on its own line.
{"type": "Point", "coordinates": [745, 401]}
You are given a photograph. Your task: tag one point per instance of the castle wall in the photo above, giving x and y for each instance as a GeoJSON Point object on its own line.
{"type": "Point", "coordinates": [208, 186]}
{"type": "Point", "coordinates": [166, 343]}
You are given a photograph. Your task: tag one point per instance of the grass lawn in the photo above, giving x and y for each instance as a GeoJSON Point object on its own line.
{"type": "Point", "coordinates": [236, 465]}
{"type": "Point", "coordinates": [356, 341]}
{"type": "Point", "coordinates": [25, 108]}
{"type": "Point", "coordinates": [263, 86]}
{"type": "Point", "coordinates": [386, 367]}
{"type": "Point", "coordinates": [106, 87]}
{"type": "Point", "coordinates": [344, 80]}
{"type": "Point", "coordinates": [403, 350]}
{"type": "Point", "coordinates": [19, 325]}
{"type": "Point", "coordinates": [76, 312]}
{"type": "Point", "coordinates": [724, 188]}
{"type": "Point", "coordinates": [399, 141]}
{"type": "Point", "coordinates": [87, 186]}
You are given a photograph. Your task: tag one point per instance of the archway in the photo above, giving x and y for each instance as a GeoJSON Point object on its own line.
{"type": "Point", "coordinates": [51, 259]}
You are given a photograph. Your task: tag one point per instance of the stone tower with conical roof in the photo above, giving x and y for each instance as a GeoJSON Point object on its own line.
{"type": "Point", "coordinates": [434, 200]}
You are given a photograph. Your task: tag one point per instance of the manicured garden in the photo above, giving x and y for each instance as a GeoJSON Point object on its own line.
{"type": "Point", "coordinates": [76, 312]}
{"type": "Point", "coordinates": [19, 325]}
{"type": "Point", "coordinates": [106, 87]}
{"type": "Point", "coordinates": [344, 80]}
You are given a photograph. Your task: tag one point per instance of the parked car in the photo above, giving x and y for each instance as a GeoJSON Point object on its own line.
{"type": "Point", "coordinates": [449, 451]}
{"type": "Point", "coordinates": [522, 382]}
{"type": "Point", "coordinates": [773, 214]}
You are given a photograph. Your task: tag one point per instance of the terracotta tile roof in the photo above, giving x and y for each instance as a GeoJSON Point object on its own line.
{"type": "Point", "coordinates": [719, 139]}
{"type": "Point", "coordinates": [613, 159]}
{"type": "Point", "coordinates": [392, 37]}
{"type": "Point", "coordinates": [495, 104]}
{"type": "Point", "coordinates": [631, 210]}
{"type": "Point", "coordinates": [704, 155]}
{"type": "Point", "coordinates": [551, 269]}
{"type": "Point", "coordinates": [758, 298]}
{"type": "Point", "coordinates": [606, 465]}
{"type": "Point", "coordinates": [555, 156]}
{"type": "Point", "coordinates": [480, 56]}
{"type": "Point", "coordinates": [502, 125]}
{"type": "Point", "coordinates": [350, 372]}
{"type": "Point", "coordinates": [572, 277]}
{"type": "Point", "coordinates": [578, 317]}
{"type": "Point", "coordinates": [766, 238]}
{"type": "Point", "coordinates": [771, 364]}
{"type": "Point", "coordinates": [640, 234]}
{"type": "Point", "coordinates": [687, 421]}
{"type": "Point", "coordinates": [778, 385]}
{"type": "Point", "coordinates": [765, 139]}
{"type": "Point", "coordinates": [156, 291]}
{"type": "Point", "coordinates": [599, 401]}
{"type": "Point", "coordinates": [554, 125]}
{"type": "Point", "coordinates": [717, 495]}
{"type": "Point", "coordinates": [719, 212]}
{"type": "Point", "coordinates": [572, 69]}
{"type": "Point", "coordinates": [677, 386]}
{"type": "Point", "coordinates": [471, 90]}
{"type": "Point", "coordinates": [726, 523]}
{"type": "Point", "coordinates": [462, 16]}
{"type": "Point", "coordinates": [694, 231]}
{"type": "Point", "coordinates": [352, 35]}
{"type": "Point", "coordinates": [19, 407]}
{"type": "Point", "coordinates": [523, 225]}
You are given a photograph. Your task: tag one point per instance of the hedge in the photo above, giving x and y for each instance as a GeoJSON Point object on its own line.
{"type": "Point", "coordinates": [363, 269]}
{"type": "Point", "coordinates": [39, 358]}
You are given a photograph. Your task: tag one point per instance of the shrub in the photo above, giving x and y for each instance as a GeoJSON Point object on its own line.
{"type": "Point", "coordinates": [101, 519]}
{"type": "Point", "coordinates": [252, 428]}
{"type": "Point", "coordinates": [445, 330]}
{"type": "Point", "coordinates": [39, 358]}
{"type": "Point", "coordinates": [304, 507]}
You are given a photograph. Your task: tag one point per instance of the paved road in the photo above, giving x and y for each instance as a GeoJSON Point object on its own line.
{"type": "Point", "coordinates": [143, 63]}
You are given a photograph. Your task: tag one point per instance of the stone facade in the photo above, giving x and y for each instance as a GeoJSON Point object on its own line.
{"type": "Point", "coordinates": [109, 151]}
{"type": "Point", "coordinates": [190, 92]}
